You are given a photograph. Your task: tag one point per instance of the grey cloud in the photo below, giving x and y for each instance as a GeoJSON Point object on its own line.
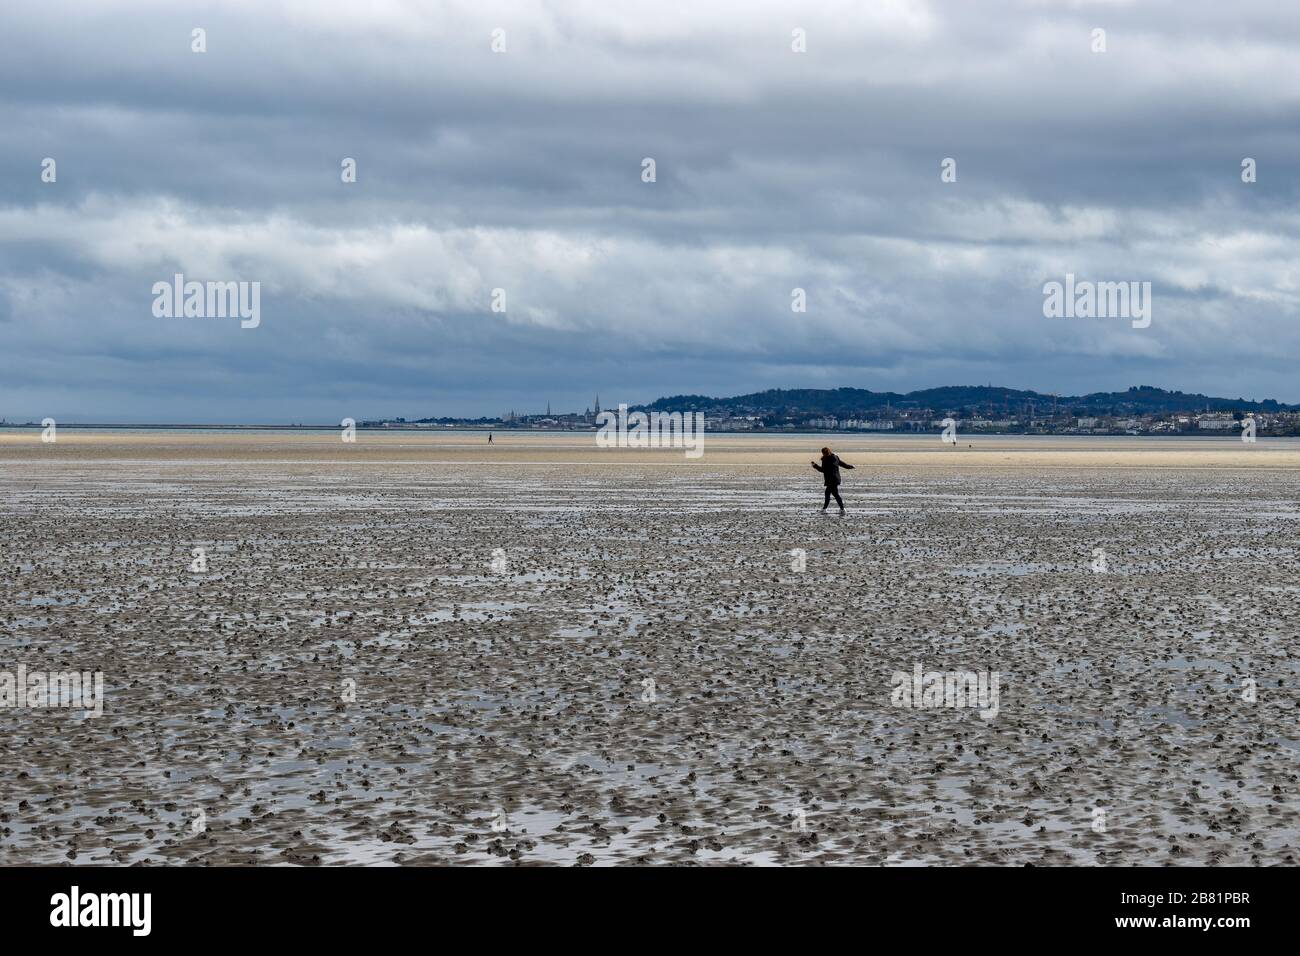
{"type": "Point", "coordinates": [522, 171]}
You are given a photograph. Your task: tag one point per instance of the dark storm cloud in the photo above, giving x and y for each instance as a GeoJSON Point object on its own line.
{"type": "Point", "coordinates": [522, 171]}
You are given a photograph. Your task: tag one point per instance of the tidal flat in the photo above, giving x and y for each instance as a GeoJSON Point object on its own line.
{"type": "Point", "coordinates": [420, 649]}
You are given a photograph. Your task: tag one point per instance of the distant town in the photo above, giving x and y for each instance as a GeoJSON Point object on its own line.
{"type": "Point", "coordinates": [1142, 410]}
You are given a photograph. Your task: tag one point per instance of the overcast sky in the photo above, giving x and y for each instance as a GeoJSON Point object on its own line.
{"type": "Point", "coordinates": [522, 171]}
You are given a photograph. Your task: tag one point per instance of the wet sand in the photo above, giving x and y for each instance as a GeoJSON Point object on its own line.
{"type": "Point", "coordinates": [420, 649]}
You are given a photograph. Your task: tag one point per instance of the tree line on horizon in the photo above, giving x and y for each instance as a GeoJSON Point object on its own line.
{"type": "Point", "coordinates": [1138, 400]}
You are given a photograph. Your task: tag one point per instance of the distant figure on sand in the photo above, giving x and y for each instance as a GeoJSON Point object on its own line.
{"type": "Point", "coordinates": [830, 469]}
{"type": "Point", "coordinates": [489, 438]}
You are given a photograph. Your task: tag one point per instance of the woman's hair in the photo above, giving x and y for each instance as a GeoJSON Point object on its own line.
{"type": "Point", "coordinates": [826, 452]}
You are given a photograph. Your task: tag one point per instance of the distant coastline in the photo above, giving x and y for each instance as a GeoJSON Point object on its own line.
{"type": "Point", "coordinates": [720, 430]}
{"type": "Point", "coordinates": [978, 409]}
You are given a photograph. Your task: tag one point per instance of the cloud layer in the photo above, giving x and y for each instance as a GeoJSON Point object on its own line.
{"type": "Point", "coordinates": [522, 171]}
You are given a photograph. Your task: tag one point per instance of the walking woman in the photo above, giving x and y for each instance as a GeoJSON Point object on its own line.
{"type": "Point", "coordinates": [830, 468]}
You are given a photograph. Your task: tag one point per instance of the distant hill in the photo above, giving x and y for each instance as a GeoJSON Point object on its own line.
{"type": "Point", "coordinates": [964, 399]}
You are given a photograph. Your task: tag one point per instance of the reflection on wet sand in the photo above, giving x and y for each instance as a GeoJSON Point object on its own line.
{"type": "Point", "coordinates": [356, 679]}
